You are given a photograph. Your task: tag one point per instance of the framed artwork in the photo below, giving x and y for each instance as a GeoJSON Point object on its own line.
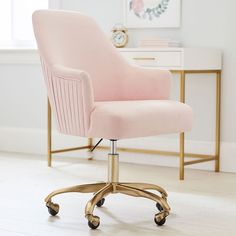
{"type": "Point", "coordinates": [152, 13]}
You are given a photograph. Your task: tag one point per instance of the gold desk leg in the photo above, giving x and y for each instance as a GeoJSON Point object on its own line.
{"type": "Point", "coordinates": [49, 135]}
{"type": "Point", "coordinates": [217, 138]}
{"type": "Point", "coordinates": [182, 99]}
{"type": "Point", "coordinates": [90, 144]}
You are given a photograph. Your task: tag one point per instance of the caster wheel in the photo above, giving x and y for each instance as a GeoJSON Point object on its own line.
{"type": "Point", "coordinates": [94, 222]}
{"type": "Point", "coordinates": [101, 202]}
{"type": "Point", "coordinates": [159, 219]}
{"type": "Point", "coordinates": [159, 207]}
{"type": "Point", "coordinates": [53, 208]}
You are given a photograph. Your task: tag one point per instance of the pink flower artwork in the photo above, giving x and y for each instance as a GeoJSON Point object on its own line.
{"type": "Point", "coordinates": [137, 6]}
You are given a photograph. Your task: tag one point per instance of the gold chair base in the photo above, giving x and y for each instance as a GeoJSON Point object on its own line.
{"type": "Point", "coordinates": [101, 190]}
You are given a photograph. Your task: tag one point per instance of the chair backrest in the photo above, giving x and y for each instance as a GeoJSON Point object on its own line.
{"type": "Point", "coordinates": [74, 40]}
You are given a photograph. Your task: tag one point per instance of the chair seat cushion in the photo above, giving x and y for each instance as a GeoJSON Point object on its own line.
{"type": "Point", "coordinates": [131, 119]}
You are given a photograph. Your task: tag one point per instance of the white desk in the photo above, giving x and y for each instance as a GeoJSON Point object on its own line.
{"type": "Point", "coordinates": [182, 61]}
{"type": "Point", "coordinates": [179, 59]}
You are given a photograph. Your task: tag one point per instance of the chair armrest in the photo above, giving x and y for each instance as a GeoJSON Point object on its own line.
{"type": "Point", "coordinates": [69, 73]}
{"type": "Point", "coordinates": [73, 99]}
{"type": "Point", "coordinates": [148, 83]}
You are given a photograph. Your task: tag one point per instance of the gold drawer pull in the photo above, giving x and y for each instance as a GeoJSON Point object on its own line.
{"type": "Point", "coordinates": [144, 58]}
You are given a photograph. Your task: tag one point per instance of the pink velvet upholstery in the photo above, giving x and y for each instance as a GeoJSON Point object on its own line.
{"type": "Point", "coordinates": [93, 91]}
{"type": "Point", "coordinates": [128, 119]}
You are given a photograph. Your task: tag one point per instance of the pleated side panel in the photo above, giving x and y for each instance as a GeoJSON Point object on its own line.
{"type": "Point", "coordinates": [69, 101]}
{"type": "Point", "coordinates": [50, 92]}
{"type": "Point", "coordinates": [66, 100]}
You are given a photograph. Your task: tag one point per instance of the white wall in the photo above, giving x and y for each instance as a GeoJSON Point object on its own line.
{"type": "Point", "coordinates": [205, 23]}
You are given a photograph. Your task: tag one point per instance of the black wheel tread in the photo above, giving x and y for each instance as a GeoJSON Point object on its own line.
{"type": "Point", "coordinates": [93, 226]}
{"type": "Point", "coordinates": [101, 202]}
{"type": "Point", "coordinates": [159, 207]}
{"type": "Point", "coordinates": [161, 222]}
{"type": "Point", "coordinates": [52, 211]}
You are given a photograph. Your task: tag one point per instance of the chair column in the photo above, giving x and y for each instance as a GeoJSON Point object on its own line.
{"type": "Point", "coordinates": [113, 163]}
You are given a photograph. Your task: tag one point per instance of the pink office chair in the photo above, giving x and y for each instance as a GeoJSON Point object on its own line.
{"type": "Point", "coordinates": [95, 93]}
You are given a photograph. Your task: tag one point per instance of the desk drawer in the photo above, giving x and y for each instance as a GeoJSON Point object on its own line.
{"type": "Point", "coordinates": [161, 59]}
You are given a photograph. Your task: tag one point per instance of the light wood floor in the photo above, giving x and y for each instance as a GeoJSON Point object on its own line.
{"type": "Point", "coordinates": [204, 204]}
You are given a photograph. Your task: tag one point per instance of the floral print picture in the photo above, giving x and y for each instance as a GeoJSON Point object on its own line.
{"type": "Point", "coordinates": [152, 13]}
